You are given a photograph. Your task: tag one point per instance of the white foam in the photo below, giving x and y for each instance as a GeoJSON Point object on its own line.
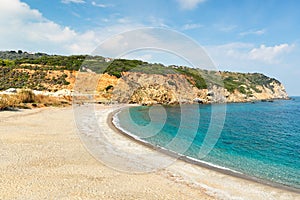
{"type": "Point", "coordinates": [116, 122]}
{"type": "Point", "coordinates": [212, 165]}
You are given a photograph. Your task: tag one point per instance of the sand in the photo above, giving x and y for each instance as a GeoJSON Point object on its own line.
{"type": "Point", "coordinates": [43, 157]}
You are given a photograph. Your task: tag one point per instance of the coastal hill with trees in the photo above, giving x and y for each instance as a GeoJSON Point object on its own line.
{"type": "Point", "coordinates": [43, 72]}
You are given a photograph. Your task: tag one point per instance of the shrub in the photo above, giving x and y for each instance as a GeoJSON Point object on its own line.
{"type": "Point", "coordinates": [26, 96]}
{"type": "Point", "coordinates": [7, 101]}
{"type": "Point", "coordinates": [47, 100]}
{"type": "Point", "coordinates": [242, 90]}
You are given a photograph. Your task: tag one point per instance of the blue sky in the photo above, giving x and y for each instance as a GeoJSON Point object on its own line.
{"type": "Point", "coordinates": [247, 36]}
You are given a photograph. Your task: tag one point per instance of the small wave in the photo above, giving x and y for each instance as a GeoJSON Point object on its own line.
{"type": "Point", "coordinates": [213, 165]}
{"type": "Point", "coordinates": [116, 122]}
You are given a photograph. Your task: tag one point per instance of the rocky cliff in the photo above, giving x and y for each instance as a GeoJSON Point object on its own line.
{"type": "Point", "coordinates": [141, 88]}
{"type": "Point", "coordinates": [144, 88]}
{"type": "Point", "coordinates": [132, 81]}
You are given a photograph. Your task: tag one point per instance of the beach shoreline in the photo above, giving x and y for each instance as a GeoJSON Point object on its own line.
{"type": "Point", "coordinates": [43, 156]}
{"type": "Point", "coordinates": [193, 161]}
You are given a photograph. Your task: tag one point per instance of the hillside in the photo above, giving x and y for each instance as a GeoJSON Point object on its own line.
{"type": "Point", "coordinates": [132, 81]}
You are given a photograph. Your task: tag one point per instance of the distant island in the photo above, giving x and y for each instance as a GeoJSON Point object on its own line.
{"type": "Point", "coordinates": [102, 80]}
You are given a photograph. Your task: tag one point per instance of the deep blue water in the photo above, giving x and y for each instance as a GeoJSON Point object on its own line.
{"type": "Point", "coordinates": [261, 140]}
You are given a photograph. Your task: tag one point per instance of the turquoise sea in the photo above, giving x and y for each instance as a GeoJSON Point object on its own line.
{"type": "Point", "coordinates": [260, 140]}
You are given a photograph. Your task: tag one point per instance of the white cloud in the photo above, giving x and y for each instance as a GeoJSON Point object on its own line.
{"type": "Point", "coordinates": [13, 10]}
{"type": "Point", "coordinates": [72, 1]}
{"type": "Point", "coordinates": [248, 55]}
{"type": "Point", "coordinates": [253, 32]}
{"type": "Point", "coordinates": [144, 57]}
{"type": "Point", "coordinates": [100, 5]}
{"type": "Point", "coordinates": [164, 41]}
{"type": "Point", "coordinates": [189, 4]}
{"type": "Point", "coordinates": [191, 26]}
{"type": "Point", "coordinates": [28, 30]}
{"type": "Point", "coordinates": [279, 61]}
{"type": "Point", "coordinates": [269, 54]}
{"type": "Point", "coordinates": [229, 55]}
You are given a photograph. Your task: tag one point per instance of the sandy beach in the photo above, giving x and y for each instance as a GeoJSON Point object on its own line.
{"type": "Point", "coordinates": [44, 157]}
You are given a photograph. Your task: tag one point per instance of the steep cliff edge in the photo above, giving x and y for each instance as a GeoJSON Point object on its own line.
{"type": "Point", "coordinates": [132, 81]}
{"type": "Point", "coordinates": [135, 87]}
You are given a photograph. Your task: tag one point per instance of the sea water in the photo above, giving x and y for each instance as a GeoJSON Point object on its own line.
{"type": "Point", "coordinates": [260, 139]}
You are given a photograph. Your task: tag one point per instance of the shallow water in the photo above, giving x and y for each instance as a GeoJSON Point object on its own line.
{"type": "Point", "coordinates": [261, 140]}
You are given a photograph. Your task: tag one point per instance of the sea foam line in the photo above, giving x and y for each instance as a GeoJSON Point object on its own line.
{"type": "Point", "coordinates": [116, 123]}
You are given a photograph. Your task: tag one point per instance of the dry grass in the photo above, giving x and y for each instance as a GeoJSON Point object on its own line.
{"type": "Point", "coordinates": [48, 101]}
{"type": "Point", "coordinates": [7, 101]}
{"type": "Point", "coordinates": [27, 99]}
{"type": "Point", "coordinates": [26, 96]}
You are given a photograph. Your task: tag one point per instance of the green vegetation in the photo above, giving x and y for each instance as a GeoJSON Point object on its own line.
{"type": "Point", "coordinates": [52, 62]}
{"type": "Point", "coordinates": [195, 74]}
{"type": "Point", "coordinates": [232, 84]}
{"type": "Point", "coordinates": [12, 73]}
{"type": "Point", "coordinates": [96, 64]}
{"type": "Point", "coordinates": [12, 78]}
{"type": "Point", "coordinates": [40, 61]}
{"type": "Point", "coordinates": [245, 82]}
{"type": "Point", "coordinates": [13, 55]}
{"type": "Point", "coordinates": [117, 66]}
{"type": "Point", "coordinates": [8, 63]}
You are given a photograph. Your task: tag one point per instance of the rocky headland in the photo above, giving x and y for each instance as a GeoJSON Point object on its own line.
{"type": "Point", "coordinates": [102, 80]}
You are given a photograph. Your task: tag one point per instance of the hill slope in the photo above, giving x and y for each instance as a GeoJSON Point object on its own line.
{"type": "Point", "coordinates": [133, 81]}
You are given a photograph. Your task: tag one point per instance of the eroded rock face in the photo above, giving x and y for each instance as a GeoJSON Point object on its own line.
{"type": "Point", "coordinates": [274, 90]}
{"type": "Point", "coordinates": [135, 87]}
{"type": "Point", "coordinates": [141, 88]}
{"type": "Point", "coordinates": [153, 94]}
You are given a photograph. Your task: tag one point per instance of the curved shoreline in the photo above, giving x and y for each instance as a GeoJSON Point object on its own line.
{"type": "Point", "coordinates": [196, 162]}
{"type": "Point", "coordinates": [45, 158]}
